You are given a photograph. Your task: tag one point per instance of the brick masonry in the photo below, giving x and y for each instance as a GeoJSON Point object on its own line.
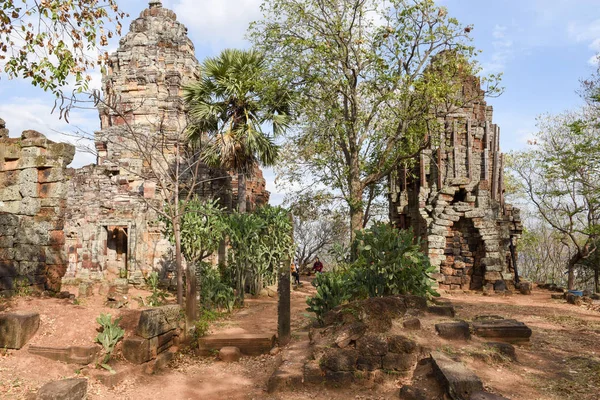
{"type": "Point", "coordinates": [95, 222]}
{"type": "Point", "coordinates": [453, 198]}
{"type": "Point", "coordinates": [32, 209]}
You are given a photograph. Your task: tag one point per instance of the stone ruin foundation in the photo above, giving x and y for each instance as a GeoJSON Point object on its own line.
{"type": "Point", "coordinates": [94, 223]}
{"type": "Point", "coordinates": [453, 198]}
{"type": "Point", "coordinates": [32, 211]}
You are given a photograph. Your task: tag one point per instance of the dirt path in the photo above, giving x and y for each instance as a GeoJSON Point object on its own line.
{"type": "Point", "coordinates": [558, 363]}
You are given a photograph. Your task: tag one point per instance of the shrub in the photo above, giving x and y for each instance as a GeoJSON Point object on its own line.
{"type": "Point", "coordinates": [389, 262]}
{"type": "Point", "coordinates": [214, 293]}
{"type": "Point", "coordinates": [158, 296]}
{"type": "Point", "coordinates": [109, 337]}
{"type": "Point", "coordinates": [392, 263]}
{"type": "Point", "coordinates": [332, 290]}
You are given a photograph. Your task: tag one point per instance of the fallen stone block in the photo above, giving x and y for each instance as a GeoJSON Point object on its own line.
{"type": "Point", "coordinates": [82, 355]}
{"type": "Point", "coordinates": [249, 344]}
{"type": "Point", "coordinates": [458, 381]}
{"type": "Point", "coordinates": [17, 328]}
{"type": "Point", "coordinates": [157, 321]}
{"type": "Point", "coordinates": [159, 362]}
{"type": "Point", "coordinates": [372, 345]}
{"type": "Point", "coordinates": [121, 286]}
{"type": "Point", "coordinates": [67, 389]}
{"type": "Point", "coordinates": [86, 289]}
{"type": "Point", "coordinates": [312, 373]}
{"type": "Point", "coordinates": [368, 363]}
{"type": "Point", "coordinates": [525, 287]}
{"type": "Point", "coordinates": [401, 344]}
{"type": "Point", "coordinates": [503, 329]}
{"type": "Point", "coordinates": [336, 360]}
{"type": "Point", "coordinates": [138, 350]}
{"type": "Point", "coordinates": [574, 299]}
{"type": "Point", "coordinates": [399, 362]}
{"type": "Point", "coordinates": [453, 330]}
{"type": "Point", "coordinates": [444, 311]}
{"type": "Point", "coordinates": [556, 296]}
{"type": "Point", "coordinates": [230, 354]}
{"type": "Point", "coordinates": [412, 324]}
{"type": "Point", "coordinates": [350, 333]}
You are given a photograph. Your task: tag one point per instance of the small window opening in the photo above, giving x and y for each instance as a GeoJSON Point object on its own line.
{"type": "Point", "coordinates": [461, 195]}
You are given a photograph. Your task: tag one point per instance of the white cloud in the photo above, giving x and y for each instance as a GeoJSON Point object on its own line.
{"type": "Point", "coordinates": [503, 51]}
{"type": "Point", "coordinates": [23, 114]}
{"type": "Point", "coordinates": [217, 23]}
{"type": "Point", "coordinates": [587, 32]}
{"type": "Point", "coordinates": [499, 32]}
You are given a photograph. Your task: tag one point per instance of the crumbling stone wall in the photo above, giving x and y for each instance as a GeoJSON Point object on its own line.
{"type": "Point", "coordinates": [111, 228]}
{"type": "Point", "coordinates": [453, 198]}
{"type": "Point", "coordinates": [32, 211]}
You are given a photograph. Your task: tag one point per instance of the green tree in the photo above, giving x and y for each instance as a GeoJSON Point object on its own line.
{"type": "Point", "coordinates": [50, 41]}
{"type": "Point", "coordinates": [560, 175]}
{"type": "Point", "coordinates": [230, 103]}
{"type": "Point", "coordinates": [202, 227]}
{"type": "Point", "coordinates": [372, 78]}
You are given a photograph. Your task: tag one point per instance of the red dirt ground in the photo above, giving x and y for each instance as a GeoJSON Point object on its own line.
{"type": "Point", "coordinates": [558, 363]}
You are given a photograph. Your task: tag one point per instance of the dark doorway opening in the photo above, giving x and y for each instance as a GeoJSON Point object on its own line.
{"type": "Point", "coordinates": [117, 247]}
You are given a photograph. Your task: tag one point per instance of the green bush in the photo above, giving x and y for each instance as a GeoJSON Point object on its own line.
{"type": "Point", "coordinates": [214, 293]}
{"type": "Point", "coordinates": [388, 262]}
{"type": "Point", "coordinates": [332, 290]}
{"type": "Point", "coordinates": [110, 336]}
{"type": "Point", "coordinates": [158, 296]}
{"type": "Point", "coordinates": [202, 325]}
{"type": "Point", "coordinates": [392, 263]}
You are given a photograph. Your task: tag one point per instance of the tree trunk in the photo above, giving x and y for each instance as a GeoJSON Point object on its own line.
{"type": "Point", "coordinates": [191, 297]}
{"type": "Point", "coordinates": [597, 279]}
{"type": "Point", "coordinates": [241, 193]}
{"type": "Point", "coordinates": [178, 261]}
{"type": "Point", "coordinates": [571, 273]}
{"type": "Point", "coordinates": [356, 213]}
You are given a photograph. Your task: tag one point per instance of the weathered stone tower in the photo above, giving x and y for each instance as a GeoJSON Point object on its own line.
{"type": "Point", "coordinates": [453, 198]}
{"type": "Point", "coordinates": [111, 228]}
{"type": "Point", "coordinates": [95, 222]}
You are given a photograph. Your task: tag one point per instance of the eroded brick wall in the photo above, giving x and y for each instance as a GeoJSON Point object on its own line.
{"type": "Point", "coordinates": [32, 206]}
{"type": "Point", "coordinates": [453, 198]}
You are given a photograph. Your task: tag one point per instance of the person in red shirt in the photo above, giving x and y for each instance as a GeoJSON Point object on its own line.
{"type": "Point", "coordinates": [318, 266]}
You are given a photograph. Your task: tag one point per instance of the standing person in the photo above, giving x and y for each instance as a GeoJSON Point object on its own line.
{"type": "Point", "coordinates": [295, 272]}
{"type": "Point", "coordinates": [318, 266]}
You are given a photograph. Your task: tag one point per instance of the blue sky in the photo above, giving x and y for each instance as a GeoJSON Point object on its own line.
{"type": "Point", "coordinates": [542, 47]}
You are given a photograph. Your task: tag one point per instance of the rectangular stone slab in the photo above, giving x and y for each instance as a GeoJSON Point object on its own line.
{"type": "Point", "coordinates": [249, 344]}
{"type": "Point", "coordinates": [17, 328]}
{"type": "Point", "coordinates": [157, 321]}
{"type": "Point", "coordinates": [508, 329]}
{"type": "Point", "coordinates": [459, 381]}
{"type": "Point", "coordinates": [70, 355]}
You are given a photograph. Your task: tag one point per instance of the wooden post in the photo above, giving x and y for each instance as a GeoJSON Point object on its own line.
{"type": "Point", "coordinates": [284, 305]}
{"type": "Point", "coordinates": [284, 310]}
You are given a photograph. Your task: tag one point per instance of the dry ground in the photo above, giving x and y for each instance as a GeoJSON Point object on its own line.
{"type": "Point", "coordinates": [562, 361]}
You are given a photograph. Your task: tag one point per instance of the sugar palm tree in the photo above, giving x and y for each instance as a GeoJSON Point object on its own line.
{"type": "Point", "coordinates": [229, 106]}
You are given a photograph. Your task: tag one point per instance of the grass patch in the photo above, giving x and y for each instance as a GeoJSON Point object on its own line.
{"type": "Point", "coordinates": [581, 380]}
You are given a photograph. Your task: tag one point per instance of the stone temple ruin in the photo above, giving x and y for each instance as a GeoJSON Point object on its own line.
{"type": "Point", "coordinates": [94, 222]}
{"type": "Point", "coordinates": [453, 198]}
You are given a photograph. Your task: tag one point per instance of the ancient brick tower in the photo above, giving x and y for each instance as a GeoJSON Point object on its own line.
{"type": "Point", "coordinates": [453, 198]}
{"type": "Point", "coordinates": [110, 227]}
